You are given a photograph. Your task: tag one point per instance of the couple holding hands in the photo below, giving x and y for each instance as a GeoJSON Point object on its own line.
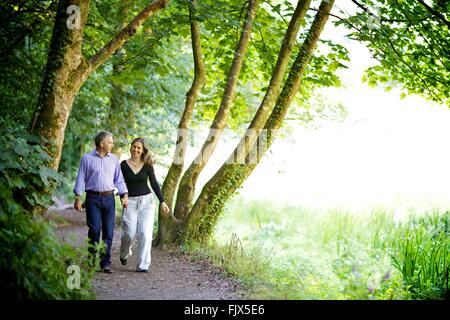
{"type": "Point", "coordinates": [99, 174]}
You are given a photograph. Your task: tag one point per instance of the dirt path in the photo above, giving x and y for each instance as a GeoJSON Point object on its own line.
{"type": "Point", "coordinates": [172, 275]}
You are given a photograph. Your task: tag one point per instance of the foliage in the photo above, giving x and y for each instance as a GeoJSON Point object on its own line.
{"type": "Point", "coordinates": [259, 62]}
{"type": "Point", "coordinates": [333, 254]}
{"type": "Point", "coordinates": [422, 255]}
{"type": "Point", "coordinates": [25, 31]}
{"type": "Point", "coordinates": [23, 167]}
{"type": "Point", "coordinates": [154, 67]}
{"type": "Point", "coordinates": [410, 43]}
{"type": "Point", "coordinates": [33, 262]}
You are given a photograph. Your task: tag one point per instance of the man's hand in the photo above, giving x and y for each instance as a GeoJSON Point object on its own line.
{"type": "Point", "coordinates": [124, 201]}
{"type": "Point", "coordinates": [77, 204]}
{"type": "Point", "coordinates": [165, 208]}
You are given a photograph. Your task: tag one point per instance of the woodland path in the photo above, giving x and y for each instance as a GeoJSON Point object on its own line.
{"type": "Point", "coordinates": [172, 275]}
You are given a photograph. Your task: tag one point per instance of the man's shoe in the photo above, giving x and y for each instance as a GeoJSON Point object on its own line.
{"type": "Point", "coordinates": [123, 261]}
{"type": "Point", "coordinates": [107, 269]}
{"type": "Point", "coordinates": [142, 270]}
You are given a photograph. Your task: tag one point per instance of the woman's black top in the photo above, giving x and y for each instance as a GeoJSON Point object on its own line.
{"type": "Point", "coordinates": [137, 183]}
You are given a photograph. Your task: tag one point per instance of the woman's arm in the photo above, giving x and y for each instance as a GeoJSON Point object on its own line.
{"type": "Point", "coordinates": [154, 184]}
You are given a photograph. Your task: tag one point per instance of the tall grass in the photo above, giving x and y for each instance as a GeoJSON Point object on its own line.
{"type": "Point", "coordinates": [422, 255]}
{"type": "Point", "coordinates": [333, 254]}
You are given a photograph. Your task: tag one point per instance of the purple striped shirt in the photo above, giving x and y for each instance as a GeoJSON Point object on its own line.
{"type": "Point", "coordinates": [99, 174]}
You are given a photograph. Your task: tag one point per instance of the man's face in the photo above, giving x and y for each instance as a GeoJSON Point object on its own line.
{"type": "Point", "coordinates": [107, 144]}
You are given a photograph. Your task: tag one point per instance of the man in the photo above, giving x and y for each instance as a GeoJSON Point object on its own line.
{"type": "Point", "coordinates": [99, 173]}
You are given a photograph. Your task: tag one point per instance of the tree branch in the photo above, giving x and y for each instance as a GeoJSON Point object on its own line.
{"type": "Point", "coordinates": [101, 28]}
{"type": "Point", "coordinates": [382, 20]}
{"type": "Point", "coordinates": [400, 57]}
{"type": "Point", "coordinates": [279, 13]}
{"type": "Point", "coordinates": [422, 35]}
{"type": "Point", "coordinates": [327, 13]}
{"type": "Point", "coordinates": [435, 13]}
{"type": "Point", "coordinates": [127, 32]}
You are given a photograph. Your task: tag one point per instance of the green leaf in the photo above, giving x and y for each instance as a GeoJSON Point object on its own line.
{"type": "Point", "coordinates": [21, 147]}
{"type": "Point", "coordinates": [47, 174]}
{"type": "Point", "coordinates": [15, 181]}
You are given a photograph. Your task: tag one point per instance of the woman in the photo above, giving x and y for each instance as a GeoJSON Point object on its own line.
{"type": "Point", "coordinates": [137, 219]}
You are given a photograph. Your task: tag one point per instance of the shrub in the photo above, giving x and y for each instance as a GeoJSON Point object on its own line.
{"type": "Point", "coordinates": [33, 262]}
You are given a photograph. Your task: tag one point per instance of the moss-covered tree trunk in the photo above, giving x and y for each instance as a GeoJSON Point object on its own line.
{"type": "Point", "coordinates": [62, 79]}
{"type": "Point", "coordinates": [210, 203]}
{"type": "Point", "coordinates": [168, 228]}
{"type": "Point", "coordinates": [186, 189]}
{"type": "Point", "coordinates": [67, 69]}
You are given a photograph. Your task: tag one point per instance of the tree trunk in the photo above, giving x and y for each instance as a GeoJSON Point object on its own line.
{"type": "Point", "coordinates": [186, 188]}
{"type": "Point", "coordinates": [168, 227]}
{"type": "Point", "coordinates": [209, 205]}
{"type": "Point", "coordinates": [67, 70]}
{"type": "Point", "coordinates": [61, 81]}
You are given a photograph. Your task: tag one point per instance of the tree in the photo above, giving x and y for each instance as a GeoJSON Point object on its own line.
{"type": "Point", "coordinates": [67, 69]}
{"type": "Point", "coordinates": [167, 227]}
{"type": "Point", "coordinates": [197, 221]}
{"type": "Point", "coordinates": [234, 53]}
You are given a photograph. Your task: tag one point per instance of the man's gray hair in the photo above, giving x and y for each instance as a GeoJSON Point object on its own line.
{"type": "Point", "coordinates": [100, 137]}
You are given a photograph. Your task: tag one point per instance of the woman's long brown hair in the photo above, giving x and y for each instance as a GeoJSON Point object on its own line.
{"type": "Point", "coordinates": [145, 156]}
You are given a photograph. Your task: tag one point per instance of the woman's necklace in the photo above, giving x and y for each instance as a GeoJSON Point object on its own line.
{"type": "Point", "coordinates": [134, 164]}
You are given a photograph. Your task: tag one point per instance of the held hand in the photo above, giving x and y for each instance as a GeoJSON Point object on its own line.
{"type": "Point", "coordinates": [165, 208]}
{"type": "Point", "coordinates": [77, 204]}
{"type": "Point", "coordinates": [124, 201]}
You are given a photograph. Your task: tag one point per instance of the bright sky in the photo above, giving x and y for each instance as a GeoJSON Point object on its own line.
{"type": "Point", "coordinates": [388, 151]}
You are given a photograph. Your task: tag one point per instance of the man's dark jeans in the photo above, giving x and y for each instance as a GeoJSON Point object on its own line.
{"type": "Point", "coordinates": [100, 216]}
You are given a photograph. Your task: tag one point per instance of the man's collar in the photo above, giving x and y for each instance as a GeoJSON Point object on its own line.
{"type": "Point", "coordinates": [98, 154]}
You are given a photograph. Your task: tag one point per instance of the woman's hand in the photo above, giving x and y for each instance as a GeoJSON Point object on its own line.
{"type": "Point", "coordinates": [165, 208]}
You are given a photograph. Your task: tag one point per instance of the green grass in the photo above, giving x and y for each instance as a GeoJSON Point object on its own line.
{"type": "Point", "coordinates": [287, 252]}
{"type": "Point", "coordinates": [422, 256]}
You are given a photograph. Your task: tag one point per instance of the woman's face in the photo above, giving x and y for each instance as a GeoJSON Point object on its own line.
{"type": "Point", "coordinates": [137, 149]}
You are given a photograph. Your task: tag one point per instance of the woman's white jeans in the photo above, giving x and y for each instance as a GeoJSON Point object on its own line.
{"type": "Point", "coordinates": [137, 223]}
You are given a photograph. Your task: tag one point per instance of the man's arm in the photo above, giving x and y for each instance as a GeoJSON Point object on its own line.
{"type": "Point", "coordinates": [80, 183]}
